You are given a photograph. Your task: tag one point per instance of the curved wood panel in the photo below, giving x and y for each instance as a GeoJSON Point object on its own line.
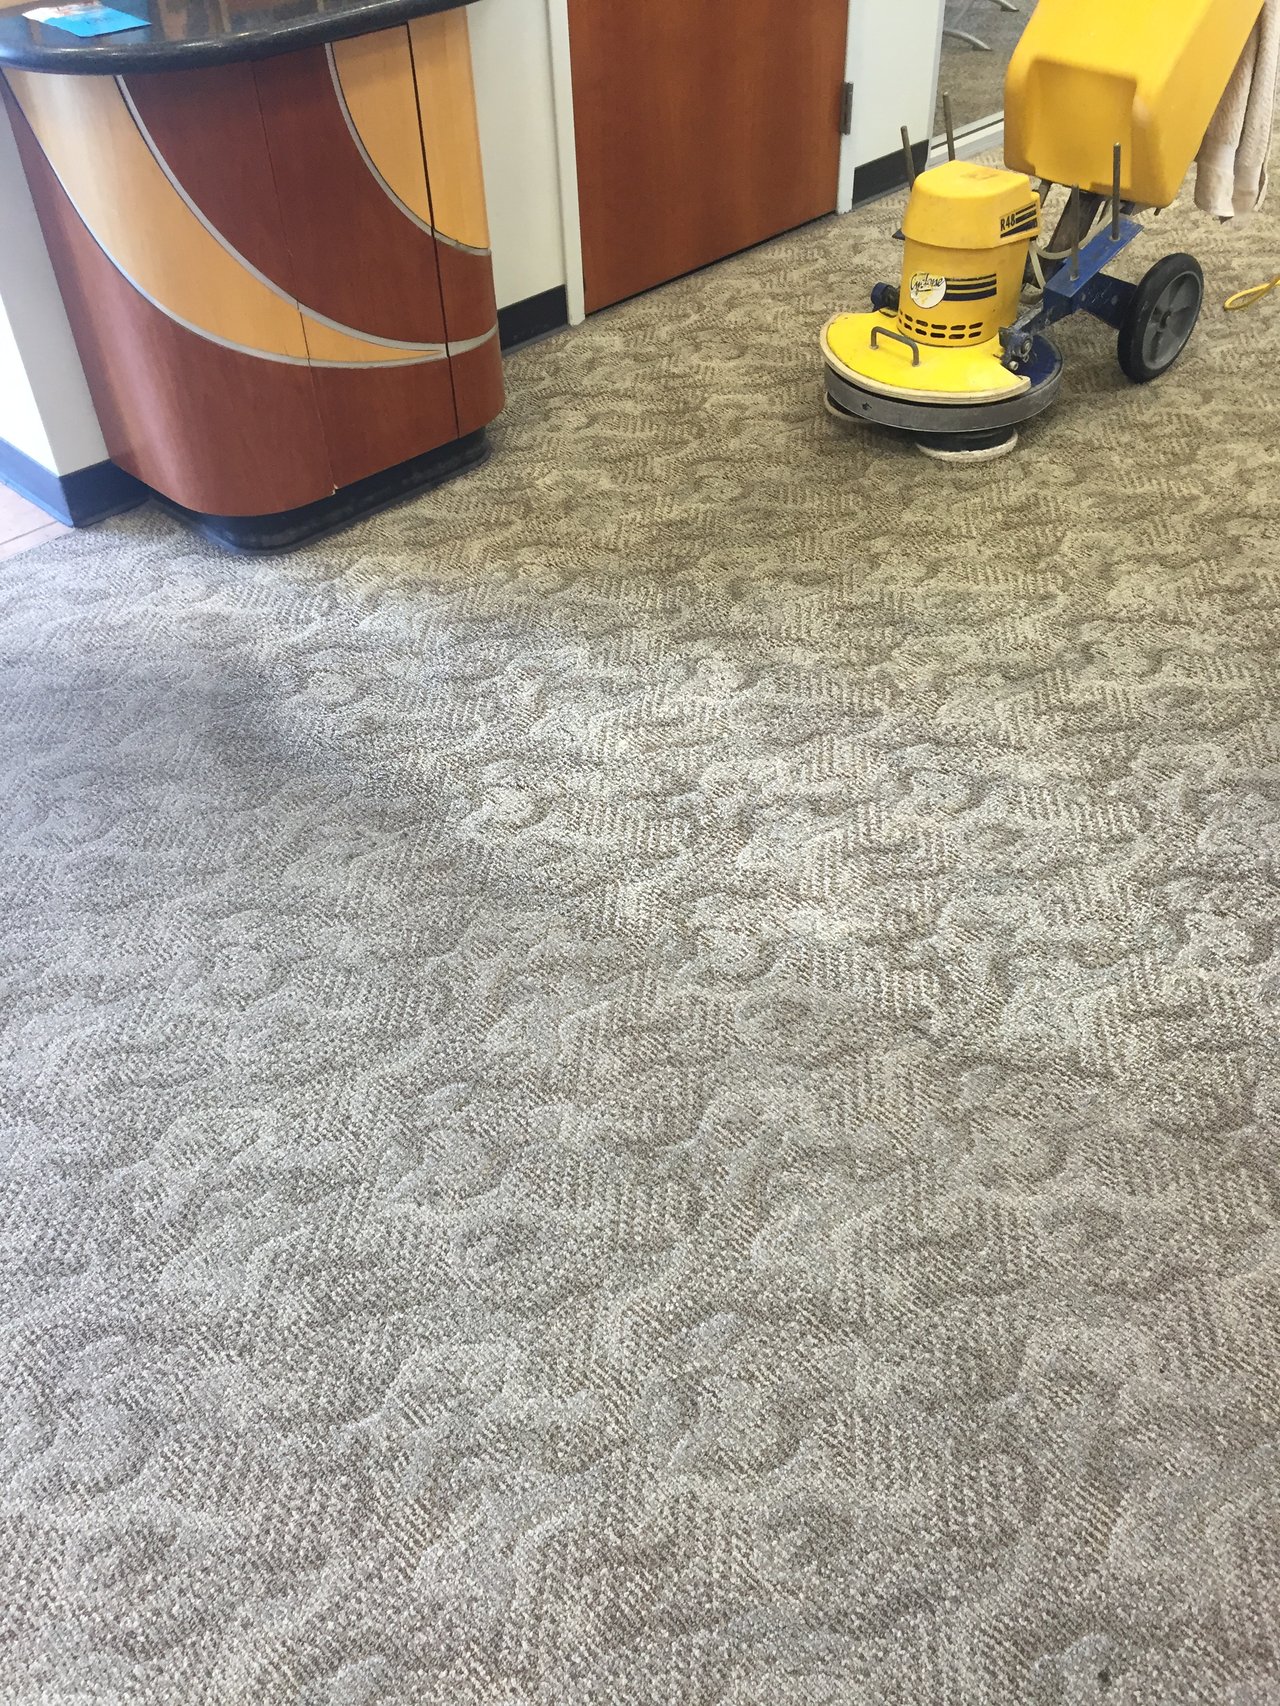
{"type": "Point", "coordinates": [117, 187]}
{"type": "Point", "coordinates": [375, 418]}
{"type": "Point", "coordinates": [328, 346]}
{"type": "Point", "coordinates": [216, 430]}
{"type": "Point", "coordinates": [146, 225]}
{"type": "Point", "coordinates": [375, 80]}
{"type": "Point", "coordinates": [466, 280]}
{"type": "Point", "coordinates": [357, 258]}
{"type": "Point", "coordinates": [450, 127]}
{"type": "Point", "coordinates": [478, 385]}
{"type": "Point", "coordinates": [263, 313]}
{"type": "Point", "coordinates": [232, 185]}
{"type": "Point", "coordinates": [229, 182]}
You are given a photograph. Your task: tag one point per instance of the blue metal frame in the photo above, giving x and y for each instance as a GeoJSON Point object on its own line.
{"type": "Point", "coordinates": [1092, 289]}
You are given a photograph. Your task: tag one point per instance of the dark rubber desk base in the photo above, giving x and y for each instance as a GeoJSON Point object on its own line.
{"type": "Point", "coordinates": [259, 535]}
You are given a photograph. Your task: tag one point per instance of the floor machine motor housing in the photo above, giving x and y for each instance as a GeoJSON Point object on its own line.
{"type": "Point", "coordinates": [930, 358]}
{"type": "Point", "coordinates": [968, 229]}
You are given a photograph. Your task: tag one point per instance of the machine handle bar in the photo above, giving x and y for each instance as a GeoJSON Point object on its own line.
{"type": "Point", "coordinates": [878, 332]}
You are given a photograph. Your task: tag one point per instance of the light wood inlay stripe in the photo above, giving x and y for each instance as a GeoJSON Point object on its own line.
{"type": "Point", "coordinates": [330, 345]}
{"type": "Point", "coordinates": [159, 243]}
{"type": "Point", "coordinates": [118, 188]}
{"type": "Point", "coordinates": [375, 75]}
{"type": "Point", "coordinates": [450, 128]}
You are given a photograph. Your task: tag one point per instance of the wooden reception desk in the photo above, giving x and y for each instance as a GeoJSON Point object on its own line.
{"type": "Point", "coordinates": [268, 225]}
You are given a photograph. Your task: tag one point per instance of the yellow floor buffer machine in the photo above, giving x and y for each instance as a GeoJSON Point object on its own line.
{"type": "Point", "coordinates": [1109, 99]}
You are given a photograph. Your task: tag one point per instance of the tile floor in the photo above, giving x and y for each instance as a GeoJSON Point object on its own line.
{"type": "Point", "coordinates": [23, 524]}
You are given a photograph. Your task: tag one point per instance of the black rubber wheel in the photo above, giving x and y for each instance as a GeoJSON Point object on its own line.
{"type": "Point", "coordinates": [1161, 318]}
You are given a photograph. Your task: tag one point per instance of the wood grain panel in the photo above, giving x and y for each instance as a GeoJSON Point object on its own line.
{"type": "Point", "coordinates": [207, 128]}
{"type": "Point", "coordinates": [215, 430]}
{"type": "Point", "coordinates": [478, 385]}
{"type": "Point", "coordinates": [265, 155]}
{"type": "Point", "coordinates": [124, 198]}
{"type": "Point", "coordinates": [470, 306]}
{"type": "Point", "coordinates": [375, 418]}
{"type": "Point", "coordinates": [356, 258]}
{"type": "Point", "coordinates": [376, 77]}
{"type": "Point", "coordinates": [450, 127]}
{"type": "Point", "coordinates": [147, 225]}
{"type": "Point", "coordinates": [447, 107]}
{"type": "Point", "coordinates": [701, 129]}
{"type": "Point", "coordinates": [233, 183]}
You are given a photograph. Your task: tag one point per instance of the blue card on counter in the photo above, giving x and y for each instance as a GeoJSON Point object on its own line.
{"type": "Point", "coordinates": [90, 19]}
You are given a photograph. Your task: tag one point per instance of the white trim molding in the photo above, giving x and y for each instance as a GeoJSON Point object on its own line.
{"type": "Point", "coordinates": [567, 155]}
{"type": "Point", "coordinates": [848, 144]}
{"type": "Point", "coordinates": [987, 138]}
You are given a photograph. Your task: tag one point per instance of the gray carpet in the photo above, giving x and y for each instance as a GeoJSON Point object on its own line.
{"type": "Point", "coordinates": [653, 1080]}
{"type": "Point", "coordinates": [973, 79]}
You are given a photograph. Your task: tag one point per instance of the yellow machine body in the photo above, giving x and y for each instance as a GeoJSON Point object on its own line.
{"type": "Point", "coordinates": [856, 347]}
{"type": "Point", "coordinates": [968, 229]}
{"type": "Point", "coordinates": [1148, 74]}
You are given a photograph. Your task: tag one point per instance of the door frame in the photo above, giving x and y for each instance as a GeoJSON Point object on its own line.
{"type": "Point", "coordinates": [848, 164]}
{"type": "Point", "coordinates": [567, 152]}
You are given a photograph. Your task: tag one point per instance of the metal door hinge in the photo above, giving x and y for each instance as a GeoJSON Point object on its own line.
{"type": "Point", "coordinates": [846, 110]}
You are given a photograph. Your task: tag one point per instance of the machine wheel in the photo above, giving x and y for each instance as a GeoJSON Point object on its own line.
{"type": "Point", "coordinates": [1161, 318]}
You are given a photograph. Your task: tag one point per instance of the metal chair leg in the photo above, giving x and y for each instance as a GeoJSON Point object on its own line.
{"type": "Point", "coordinates": [966, 36]}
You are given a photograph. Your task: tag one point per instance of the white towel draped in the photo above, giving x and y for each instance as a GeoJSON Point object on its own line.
{"type": "Point", "coordinates": [1231, 178]}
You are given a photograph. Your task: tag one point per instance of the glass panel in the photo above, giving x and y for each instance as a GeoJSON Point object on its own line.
{"type": "Point", "coordinates": [978, 40]}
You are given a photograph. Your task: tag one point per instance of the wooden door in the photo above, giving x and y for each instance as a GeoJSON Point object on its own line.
{"type": "Point", "coordinates": [703, 126]}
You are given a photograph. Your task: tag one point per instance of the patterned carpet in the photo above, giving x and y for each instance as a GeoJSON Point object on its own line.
{"type": "Point", "coordinates": [973, 79]}
{"type": "Point", "coordinates": [654, 1079]}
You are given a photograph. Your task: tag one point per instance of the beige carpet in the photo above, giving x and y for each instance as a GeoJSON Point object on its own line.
{"type": "Point", "coordinates": [654, 1080]}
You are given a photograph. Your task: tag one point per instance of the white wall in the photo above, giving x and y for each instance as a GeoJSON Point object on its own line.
{"type": "Point", "coordinates": [511, 50]}
{"type": "Point", "coordinates": [20, 421]}
{"type": "Point", "coordinates": [893, 59]}
{"type": "Point", "coordinates": [44, 402]}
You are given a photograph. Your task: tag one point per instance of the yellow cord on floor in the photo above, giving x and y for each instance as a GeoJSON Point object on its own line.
{"type": "Point", "coordinates": [1247, 298]}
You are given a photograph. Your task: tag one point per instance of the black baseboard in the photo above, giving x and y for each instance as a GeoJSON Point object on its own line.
{"type": "Point", "coordinates": [888, 173]}
{"type": "Point", "coordinates": [92, 494]}
{"type": "Point", "coordinates": [77, 500]}
{"type": "Point", "coordinates": [535, 317]}
{"type": "Point", "coordinates": [258, 535]}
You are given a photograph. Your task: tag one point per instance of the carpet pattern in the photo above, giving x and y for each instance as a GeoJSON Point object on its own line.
{"type": "Point", "coordinates": [653, 1079]}
{"type": "Point", "coordinates": [973, 79]}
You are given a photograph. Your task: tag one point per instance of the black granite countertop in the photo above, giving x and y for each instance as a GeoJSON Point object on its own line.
{"type": "Point", "coordinates": [183, 33]}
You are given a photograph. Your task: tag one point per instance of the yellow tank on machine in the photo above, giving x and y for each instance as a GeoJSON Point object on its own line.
{"type": "Point", "coordinates": [1147, 74]}
{"type": "Point", "coordinates": [968, 229]}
